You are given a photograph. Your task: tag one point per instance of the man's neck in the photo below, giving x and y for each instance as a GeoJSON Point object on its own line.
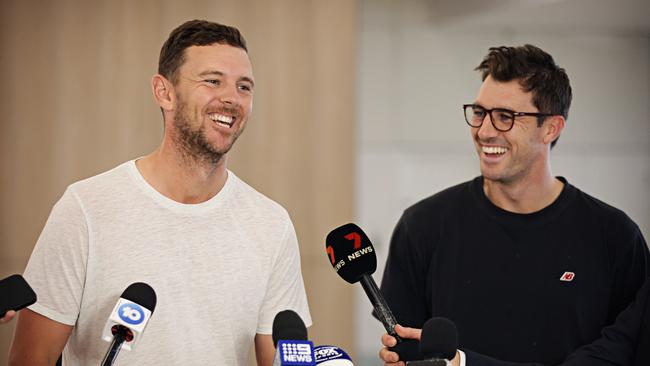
{"type": "Point", "coordinates": [182, 178]}
{"type": "Point", "coordinates": [527, 195]}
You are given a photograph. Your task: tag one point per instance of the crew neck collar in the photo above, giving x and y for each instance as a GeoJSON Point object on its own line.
{"type": "Point", "coordinates": [179, 207]}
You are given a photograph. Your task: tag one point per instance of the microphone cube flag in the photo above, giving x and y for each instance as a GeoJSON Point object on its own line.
{"type": "Point", "coordinates": [331, 356]}
{"type": "Point", "coordinates": [130, 315]}
{"type": "Point", "coordinates": [296, 353]}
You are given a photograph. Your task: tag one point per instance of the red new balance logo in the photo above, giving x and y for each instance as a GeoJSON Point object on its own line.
{"type": "Point", "coordinates": [567, 276]}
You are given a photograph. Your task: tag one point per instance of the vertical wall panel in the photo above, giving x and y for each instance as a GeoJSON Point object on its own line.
{"type": "Point", "coordinates": [76, 101]}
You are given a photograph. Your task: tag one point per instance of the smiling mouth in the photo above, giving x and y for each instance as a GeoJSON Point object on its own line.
{"type": "Point", "coordinates": [494, 150]}
{"type": "Point", "coordinates": [222, 119]}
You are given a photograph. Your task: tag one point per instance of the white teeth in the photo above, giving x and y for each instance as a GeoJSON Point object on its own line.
{"type": "Point", "coordinates": [221, 118]}
{"type": "Point", "coordinates": [494, 149]}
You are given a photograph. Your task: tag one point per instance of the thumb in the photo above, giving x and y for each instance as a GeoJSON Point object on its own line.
{"type": "Point", "coordinates": [409, 333]}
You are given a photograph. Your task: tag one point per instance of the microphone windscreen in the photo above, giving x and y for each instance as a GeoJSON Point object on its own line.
{"type": "Point", "coordinates": [439, 339]}
{"type": "Point", "coordinates": [15, 294]}
{"type": "Point", "coordinates": [331, 356]}
{"type": "Point", "coordinates": [141, 294]}
{"type": "Point", "coordinates": [287, 325]}
{"type": "Point", "coordinates": [350, 252]}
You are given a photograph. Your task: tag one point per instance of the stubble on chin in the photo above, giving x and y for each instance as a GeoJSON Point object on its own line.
{"type": "Point", "coordinates": [193, 145]}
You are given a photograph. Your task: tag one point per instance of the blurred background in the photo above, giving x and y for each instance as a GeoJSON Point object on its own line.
{"type": "Point", "coordinates": [357, 112]}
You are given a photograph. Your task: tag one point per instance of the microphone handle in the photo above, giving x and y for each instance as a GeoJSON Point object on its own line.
{"type": "Point", "coordinates": [379, 304]}
{"type": "Point", "coordinates": [432, 362]}
{"type": "Point", "coordinates": [114, 349]}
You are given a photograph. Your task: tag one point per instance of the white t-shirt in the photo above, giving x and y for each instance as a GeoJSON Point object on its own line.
{"type": "Point", "coordinates": [221, 269]}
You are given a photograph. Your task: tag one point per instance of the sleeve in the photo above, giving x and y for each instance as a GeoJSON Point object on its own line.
{"type": "Point", "coordinates": [617, 345]}
{"type": "Point", "coordinates": [404, 285]}
{"type": "Point", "coordinates": [631, 263]}
{"type": "Point", "coordinates": [618, 342]}
{"type": "Point", "coordinates": [56, 269]}
{"type": "Point", "coordinates": [286, 289]}
{"type": "Point", "coordinates": [404, 279]}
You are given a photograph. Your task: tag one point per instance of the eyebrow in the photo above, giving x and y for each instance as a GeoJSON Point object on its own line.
{"type": "Point", "coordinates": [484, 107]}
{"type": "Point", "coordinates": [219, 73]}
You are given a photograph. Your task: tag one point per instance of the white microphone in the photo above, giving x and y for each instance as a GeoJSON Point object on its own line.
{"type": "Point", "coordinates": [128, 319]}
{"type": "Point", "coordinates": [331, 356]}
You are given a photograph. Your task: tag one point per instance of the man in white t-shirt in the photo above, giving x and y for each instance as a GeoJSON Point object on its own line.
{"type": "Point", "coordinates": [222, 258]}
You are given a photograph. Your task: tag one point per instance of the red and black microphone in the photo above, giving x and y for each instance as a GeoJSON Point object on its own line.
{"type": "Point", "coordinates": [353, 258]}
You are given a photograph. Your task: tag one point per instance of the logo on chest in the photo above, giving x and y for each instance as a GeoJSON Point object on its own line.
{"type": "Point", "coordinates": [567, 277]}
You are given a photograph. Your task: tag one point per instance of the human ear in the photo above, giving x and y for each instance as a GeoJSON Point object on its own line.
{"type": "Point", "coordinates": [553, 127]}
{"type": "Point", "coordinates": [163, 92]}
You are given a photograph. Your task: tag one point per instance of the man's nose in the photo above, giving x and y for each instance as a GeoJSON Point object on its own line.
{"type": "Point", "coordinates": [229, 95]}
{"type": "Point", "coordinates": [487, 129]}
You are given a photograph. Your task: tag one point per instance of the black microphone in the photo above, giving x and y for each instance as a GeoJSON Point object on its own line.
{"type": "Point", "coordinates": [354, 259]}
{"type": "Point", "coordinates": [438, 343]}
{"type": "Point", "coordinates": [128, 319]}
{"type": "Point", "coordinates": [15, 294]}
{"type": "Point", "coordinates": [287, 324]}
{"type": "Point", "coordinates": [290, 340]}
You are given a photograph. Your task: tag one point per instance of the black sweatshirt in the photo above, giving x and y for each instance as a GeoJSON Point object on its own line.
{"type": "Point", "coordinates": [520, 287]}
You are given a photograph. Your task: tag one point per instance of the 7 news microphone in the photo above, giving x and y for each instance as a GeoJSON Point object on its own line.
{"type": "Point", "coordinates": [353, 257]}
{"type": "Point", "coordinates": [128, 319]}
{"type": "Point", "coordinates": [438, 343]}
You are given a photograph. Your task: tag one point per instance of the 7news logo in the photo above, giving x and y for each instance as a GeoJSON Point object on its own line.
{"type": "Point", "coordinates": [131, 313]}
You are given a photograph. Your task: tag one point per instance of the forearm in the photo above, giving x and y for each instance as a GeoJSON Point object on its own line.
{"type": "Point", "coordinates": [37, 340]}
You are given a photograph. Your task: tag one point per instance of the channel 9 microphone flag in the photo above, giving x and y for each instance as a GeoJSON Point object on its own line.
{"type": "Point", "coordinates": [290, 340]}
{"type": "Point", "coordinates": [353, 258]}
{"type": "Point", "coordinates": [128, 319]}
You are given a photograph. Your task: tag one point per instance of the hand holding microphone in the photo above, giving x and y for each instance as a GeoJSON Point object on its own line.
{"type": "Point", "coordinates": [438, 344]}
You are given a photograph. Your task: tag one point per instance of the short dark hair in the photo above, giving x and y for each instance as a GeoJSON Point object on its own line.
{"type": "Point", "coordinates": [537, 72]}
{"type": "Point", "coordinates": [194, 33]}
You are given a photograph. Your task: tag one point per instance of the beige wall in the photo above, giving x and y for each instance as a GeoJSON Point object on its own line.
{"type": "Point", "coordinates": [75, 101]}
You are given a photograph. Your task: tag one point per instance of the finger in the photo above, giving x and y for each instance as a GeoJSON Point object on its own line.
{"type": "Point", "coordinates": [388, 340]}
{"type": "Point", "coordinates": [8, 316]}
{"type": "Point", "coordinates": [389, 358]}
{"type": "Point", "coordinates": [406, 332]}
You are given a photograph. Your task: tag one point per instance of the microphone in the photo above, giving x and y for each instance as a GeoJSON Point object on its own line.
{"type": "Point", "coordinates": [128, 319]}
{"type": "Point", "coordinates": [331, 356]}
{"type": "Point", "coordinates": [290, 341]}
{"type": "Point", "coordinates": [354, 259]}
{"type": "Point", "coordinates": [15, 294]}
{"type": "Point", "coordinates": [438, 343]}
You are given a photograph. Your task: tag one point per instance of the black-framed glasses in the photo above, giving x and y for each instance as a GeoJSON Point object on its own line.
{"type": "Point", "coordinates": [502, 119]}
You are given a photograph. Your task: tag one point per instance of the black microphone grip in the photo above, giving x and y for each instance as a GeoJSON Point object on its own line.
{"type": "Point", "coordinates": [379, 304]}
{"type": "Point", "coordinates": [114, 349]}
